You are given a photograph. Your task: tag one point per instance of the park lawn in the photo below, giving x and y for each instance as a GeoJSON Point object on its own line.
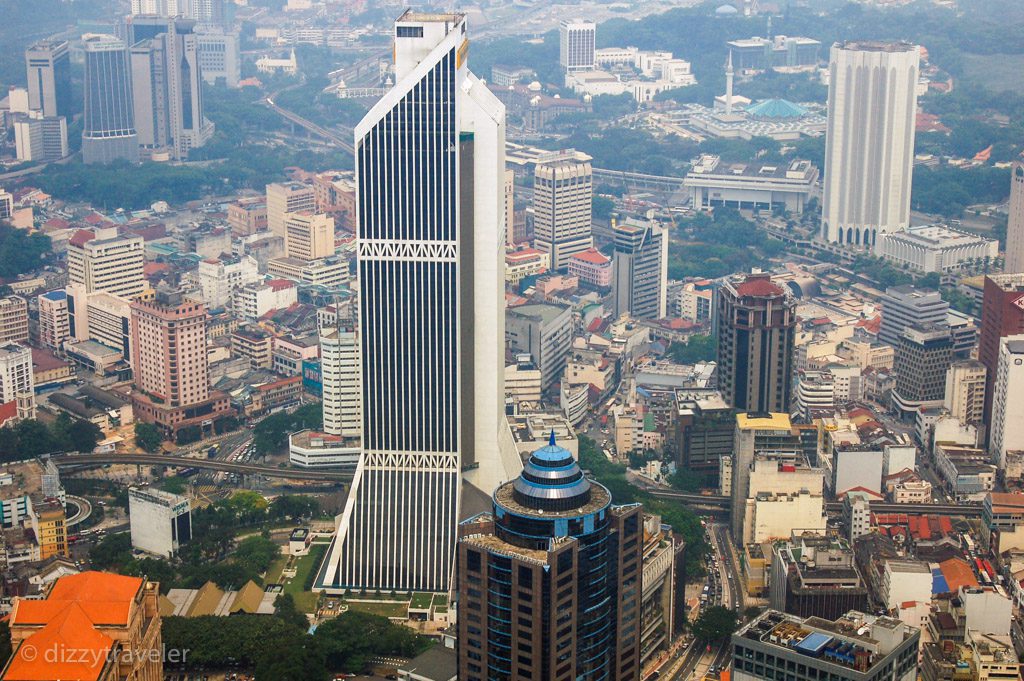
{"type": "Point", "coordinates": [382, 608]}
{"type": "Point", "coordinates": [305, 600]}
{"type": "Point", "coordinates": [275, 570]}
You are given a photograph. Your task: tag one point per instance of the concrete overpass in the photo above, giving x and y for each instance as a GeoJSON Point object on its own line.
{"type": "Point", "coordinates": [725, 503]}
{"type": "Point", "coordinates": [67, 460]}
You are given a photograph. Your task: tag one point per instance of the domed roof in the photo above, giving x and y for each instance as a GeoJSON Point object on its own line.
{"type": "Point", "coordinates": [726, 9]}
{"type": "Point", "coordinates": [776, 108]}
{"type": "Point", "coordinates": [552, 480]}
{"type": "Point", "coordinates": [534, 86]}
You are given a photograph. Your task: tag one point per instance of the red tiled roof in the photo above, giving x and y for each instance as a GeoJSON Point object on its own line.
{"type": "Point", "coordinates": [278, 383]}
{"type": "Point", "coordinates": [592, 256]}
{"type": "Point", "coordinates": [758, 286]}
{"type": "Point", "coordinates": [95, 218]}
{"type": "Point", "coordinates": [56, 223]}
{"type": "Point", "coordinates": [80, 237]}
{"type": "Point", "coordinates": [46, 361]}
{"type": "Point", "coordinates": [8, 411]}
{"type": "Point", "coordinates": [280, 284]}
{"type": "Point", "coordinates": [151, 268]}
{"type": "Point", "coordinates": [523, 254]}
{"type": "Point", "coordinates": [871, 325]}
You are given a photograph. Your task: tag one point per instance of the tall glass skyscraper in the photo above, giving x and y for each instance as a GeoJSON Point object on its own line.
{"type": "Point", "coordinates": [430, 169]}
{"type": "Point", "coordinates": [109, 130]}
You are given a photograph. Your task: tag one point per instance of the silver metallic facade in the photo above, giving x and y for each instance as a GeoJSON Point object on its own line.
{"type": "Point", "coordinates": [429, 157]}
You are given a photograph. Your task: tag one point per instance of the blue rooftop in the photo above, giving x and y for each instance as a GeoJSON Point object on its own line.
{"type": "Point", "coordinates": [59, 294]}
{"type": "Point", "coordinates": [939, 583]}
{"type": "Point", "coordinates": [776, 108]}
{"type": "Point", "coordinates": [813, 643]}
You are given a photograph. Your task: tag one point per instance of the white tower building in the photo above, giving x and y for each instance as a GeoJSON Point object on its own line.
{"type": "Point", "coordinates": [430, 210]}
{"type": "Point", "coordinates": [577, 45]}
{"type": "Point", "coordinates": [869, 144]}
{"type": "Point", "coordinates": [339, 371]}
{"type": "Point", "coordinates": [1008, 401]}
{"type": "Point", "coordinates": [1015, 221]}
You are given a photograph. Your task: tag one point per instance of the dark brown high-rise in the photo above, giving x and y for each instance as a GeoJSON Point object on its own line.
{"type": "Point", "coordinates": [1002, 314]}
{"type": "Point", "coordinates": [756, 330]}
{"type": "Point", "coordinates": [549, 582]}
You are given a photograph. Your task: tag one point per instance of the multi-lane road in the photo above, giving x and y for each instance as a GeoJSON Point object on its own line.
{"type": "Point", "coordinates": [695, 660]}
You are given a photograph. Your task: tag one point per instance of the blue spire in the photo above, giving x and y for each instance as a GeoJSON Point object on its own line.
{"type": "Point", "coordinates": [551, 440]}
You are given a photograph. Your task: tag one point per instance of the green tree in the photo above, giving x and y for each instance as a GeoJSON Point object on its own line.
{"type": "Point", "coordinates": [602, 207]}
{"type": "Point", "coordinates": [286, 609]}
{"type": "Point", "coordinates": [111, 552]}
{"type": "Point", "coordinates": [21, 252]}
{"type": "Point", "coordinates": [352, 639]}
{"type": "Point", "coordinates": [84, 435]}
{"type": "Point", "coordinates": [256, 554]}
{"type": "Point", "coordinates": [148, 437]}
{"type": "Point", "coordinates": [716, 623]}
{"type": "Point", "coordinates": [189, 434]}
{"type": "Point", "coordinates": [697, 348]}
{"type": "Point", "coordinates": [294, 507]}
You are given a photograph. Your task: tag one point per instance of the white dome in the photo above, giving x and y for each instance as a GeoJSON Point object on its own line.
{"type": "Point", "coordinates": [534, 86]}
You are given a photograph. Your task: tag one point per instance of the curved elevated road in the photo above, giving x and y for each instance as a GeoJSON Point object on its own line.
{"type": "Point", "coordinates": [213, 464]}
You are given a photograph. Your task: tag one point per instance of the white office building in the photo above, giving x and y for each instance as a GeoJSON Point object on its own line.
{"type": "Point", "coordinates": [102, 260]}
{"type": "Point", "coordinates": [252, 301]}
{"type": "Point", "coordinates": [161, 522]}
{"type": "Point", "coordinates": [218, 278]}
{"type": "Point", "coordinates": [338, 444]}
{"type": "Point", "coordinates": [869, 145]}
{"type": "Point", "coordinates": [1015, 221]}
{"type": "Point", "coordinates": [1007, 427]}
{"type": "Point", "coordinates": [339, 369]}
{"type": "Point", "coordinates": [17, 382]}
{"type": "Point", "coordinates": [936, 248]}
{"type": "Point", "coordinates": [577, 45]}
{"type": "Point", "coordinates": [432, 384]}
{"type": "Point", "coordinates": [750, 186]}
{"type": "Point", "coordinates": [563, 195]}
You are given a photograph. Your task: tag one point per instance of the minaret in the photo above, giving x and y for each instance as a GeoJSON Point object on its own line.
{"type": "Point", "coordinates": [728, 86]}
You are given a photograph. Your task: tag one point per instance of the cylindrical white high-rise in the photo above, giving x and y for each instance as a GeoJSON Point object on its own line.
{"type": "Point", "coordinates": [1015, 221]}
{"type": "Point", "coordinates": [869, 145]}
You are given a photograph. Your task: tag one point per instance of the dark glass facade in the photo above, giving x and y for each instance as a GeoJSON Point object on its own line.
{"type": "Point", "coordinates": [549, 581]}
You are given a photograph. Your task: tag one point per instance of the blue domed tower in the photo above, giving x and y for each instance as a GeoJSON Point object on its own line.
{"type": "Point", "coordinates": [553, 576]}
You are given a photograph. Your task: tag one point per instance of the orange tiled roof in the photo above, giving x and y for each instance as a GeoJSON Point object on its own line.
{"type": "Point", "coordinates": [69, 617]}
{"type": "Point", "coordinates": [69, 630]}
{"type": "Point", "coordinates": [957, 573]}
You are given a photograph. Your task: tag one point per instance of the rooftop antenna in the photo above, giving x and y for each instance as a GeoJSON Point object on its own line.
{"type": "Point", "coordinates": [551, 439]}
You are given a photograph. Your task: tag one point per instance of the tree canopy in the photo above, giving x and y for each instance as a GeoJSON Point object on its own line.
{"type": "Point", "coordinates": [715, 623]}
